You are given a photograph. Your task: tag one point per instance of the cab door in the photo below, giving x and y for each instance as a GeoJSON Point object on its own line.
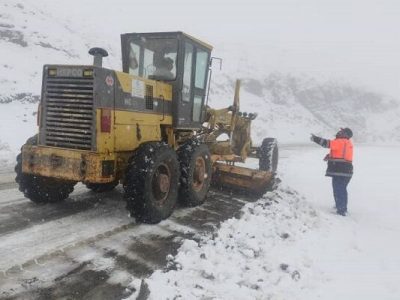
{"type": "Point", "coordinates": [199, 85]}
{"type": "Point", "coordinates": [195, 71]}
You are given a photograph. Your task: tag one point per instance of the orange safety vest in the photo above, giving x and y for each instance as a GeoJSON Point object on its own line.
{"type": "Point", "coordinates": [341, 149]}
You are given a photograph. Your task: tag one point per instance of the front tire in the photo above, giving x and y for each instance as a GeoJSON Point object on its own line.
{"type": "Point", "coordinates": [196, 171]}
{"type": "Point", "coordinates": [269, 155]}
{"type": "Point", "coordinates": [40, 189]}
{"type": "Point", "coordinates": [151, 183]}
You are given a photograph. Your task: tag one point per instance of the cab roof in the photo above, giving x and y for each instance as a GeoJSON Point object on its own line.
{"type": "Point", "coordinates": [171, 34]}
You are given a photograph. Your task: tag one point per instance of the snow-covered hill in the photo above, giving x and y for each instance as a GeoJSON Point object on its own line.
{"type": "Point", "coordinates": [290, 106]}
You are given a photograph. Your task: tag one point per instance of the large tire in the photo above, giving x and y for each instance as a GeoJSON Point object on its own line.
{"type": "Point", "coordinates": [40, 189]}
{"type": "Point", "coordinates": [151, 183]}
{"type": "Point", "coordinates": [102, 187]}
{"type": "Point", "coordinates": [268, 155]}
{"type": "Point", "coordinates": [196, 172]}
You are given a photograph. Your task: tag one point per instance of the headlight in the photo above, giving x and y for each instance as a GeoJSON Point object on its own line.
{"type": "Point", "coordinates": [88, 73]}
{"type": "Point", "coordinates": [52, 72]}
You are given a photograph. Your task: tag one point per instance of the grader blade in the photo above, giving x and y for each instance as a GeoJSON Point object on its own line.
{"type": "Point", "coordinates": [242, 179]}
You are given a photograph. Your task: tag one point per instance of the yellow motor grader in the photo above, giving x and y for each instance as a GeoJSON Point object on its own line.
{"type": "Point", "coordinates": [147, 127]}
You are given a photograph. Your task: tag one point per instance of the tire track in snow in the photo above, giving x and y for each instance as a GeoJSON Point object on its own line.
{"type": "Point", "coordinates": [91, 248]}
{"type": "Point", "coordinates": [20, 214]}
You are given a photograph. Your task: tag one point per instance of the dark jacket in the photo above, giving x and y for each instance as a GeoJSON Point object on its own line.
{"type": "Point", "coordinates": [336, 167]}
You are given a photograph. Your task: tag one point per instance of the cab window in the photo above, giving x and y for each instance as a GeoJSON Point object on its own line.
{"type": "Point", "coordinates": [201, 68]}
{"type": "Point", "coordinates": [197, 108]}
{"type": "Point", "coordinates": [134, 52]}
{"type": "Point", "coordinates": [156, 58]}
{"type": "Point", "coordinates": [187, 73]}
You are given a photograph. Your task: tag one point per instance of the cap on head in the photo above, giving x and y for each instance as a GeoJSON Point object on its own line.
{"type": "Point", "coordinates": [346, 133]}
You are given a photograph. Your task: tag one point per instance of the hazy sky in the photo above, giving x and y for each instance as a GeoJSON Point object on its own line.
{"type": "Point", "coordinates": [357, 40]}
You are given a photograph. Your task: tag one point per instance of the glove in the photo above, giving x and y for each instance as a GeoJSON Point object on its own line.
{"type": "Point", "coordinates": [312, 137]}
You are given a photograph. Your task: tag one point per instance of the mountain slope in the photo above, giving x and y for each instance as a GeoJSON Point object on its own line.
{"type": "Point", "coordinates": [289, 106]}
{"type": "Point", "coordinates": [31, 37]}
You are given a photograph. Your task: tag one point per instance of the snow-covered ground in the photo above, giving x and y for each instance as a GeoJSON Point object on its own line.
{"type": "Point", "coordinates": [17, 124]}
{"type": "Point", "coordinates": [289, 244]}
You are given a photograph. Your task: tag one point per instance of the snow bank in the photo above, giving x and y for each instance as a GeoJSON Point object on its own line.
{"type": "Point", "coordinates": [291, 245]}
{"type": "Point", "coordinates": [247, 258]}
{"type": "Point", "coordinates": [17, 124]}
{"type": "Point", "coordinates": [6, 156]}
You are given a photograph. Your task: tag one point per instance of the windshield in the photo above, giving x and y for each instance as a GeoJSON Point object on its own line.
{"type": "Point", "coordinates": [153, 58]}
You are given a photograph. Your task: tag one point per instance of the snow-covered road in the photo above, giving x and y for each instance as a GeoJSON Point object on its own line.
{"type": "Point", "coordinates": [88, 247]}
{"type": "Point", "coordinates": [287, 245]}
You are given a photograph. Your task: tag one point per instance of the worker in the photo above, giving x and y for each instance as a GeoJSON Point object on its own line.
{"type": "Point", "coordinates": [164, 71]}
{"type": "Point", "coordinates": [340, 166]}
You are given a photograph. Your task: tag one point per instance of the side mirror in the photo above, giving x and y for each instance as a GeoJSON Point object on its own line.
{"type": "Point", "coordinates": [218, 59]}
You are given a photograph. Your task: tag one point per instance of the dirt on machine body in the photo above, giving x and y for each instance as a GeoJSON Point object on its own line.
{"type": "Point", "coordinates": [147, 127]}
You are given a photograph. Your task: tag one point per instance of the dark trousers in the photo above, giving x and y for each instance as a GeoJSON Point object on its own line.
{"type": "Point", "coordinates": [339, 184]}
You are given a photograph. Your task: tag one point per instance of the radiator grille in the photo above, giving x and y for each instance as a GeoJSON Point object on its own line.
{"type": "Point", "coordinates": [69, 112]}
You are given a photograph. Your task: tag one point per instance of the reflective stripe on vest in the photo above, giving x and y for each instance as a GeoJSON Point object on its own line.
{"type": "Point", "coordinates": [341, 149]}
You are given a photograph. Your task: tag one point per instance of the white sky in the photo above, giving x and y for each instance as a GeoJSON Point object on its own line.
{"type": "Point", "coordinates": [355, 40]}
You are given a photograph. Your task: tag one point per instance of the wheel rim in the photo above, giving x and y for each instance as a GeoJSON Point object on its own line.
{"type": "Point", "coordinates": [199, 173]}
{"type": "Point", "coordinates": [161, 184]}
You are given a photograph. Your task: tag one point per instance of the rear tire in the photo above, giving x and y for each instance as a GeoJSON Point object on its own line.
{"type": "Point", "coordinates": [196, 172]}
{"type": "Point", "coordinates": [151, 183]}
{"type": "Point", "coordinates": [40, 189]}
{"type": "Point", "coordinates": [102, 187]}
{"type": "Point", "coordinates": [269, 155]}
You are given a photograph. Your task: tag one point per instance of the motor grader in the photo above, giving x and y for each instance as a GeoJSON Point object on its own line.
{"type": "Point", "coordinates": [147, 127]}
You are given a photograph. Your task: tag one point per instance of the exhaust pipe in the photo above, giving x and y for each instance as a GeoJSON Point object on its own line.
{"type": "Point", "coordinates": [98, 54]}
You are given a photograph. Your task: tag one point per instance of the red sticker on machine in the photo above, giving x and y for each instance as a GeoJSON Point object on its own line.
{"type": "Point", "coordinates": [109, 80]}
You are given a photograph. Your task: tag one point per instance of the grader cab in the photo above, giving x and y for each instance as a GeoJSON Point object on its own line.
{"type": "Point", "coordinates": [146, 127]}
